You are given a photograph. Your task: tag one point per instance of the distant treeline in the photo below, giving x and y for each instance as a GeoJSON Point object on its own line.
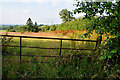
{"type": "Point", "coordinates": [15, 28]}
{"type": "Point", "coordinates": [76, 24]}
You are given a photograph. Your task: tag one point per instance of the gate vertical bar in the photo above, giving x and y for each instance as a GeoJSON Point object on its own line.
{"type": "Point", "coordinates": [96, 45]}
{"type": "Point", "coordinates": [20, 55]}
{"type": "Point", "coordinates": [99, 40]}
{"type": "Point", "coordinates": [60, 47]}
{"type": "Point", "coordinates": [20, 47]}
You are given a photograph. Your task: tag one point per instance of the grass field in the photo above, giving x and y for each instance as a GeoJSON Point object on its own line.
{"type": "Point", "coordinates": [80, 64]}
{"type": "Point", "coordinates": [3, 30]}
{"type": "Point", "coordinates": [40, 43]}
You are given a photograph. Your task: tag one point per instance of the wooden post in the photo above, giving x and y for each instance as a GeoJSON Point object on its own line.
{"type": "Point", "coordinates": [60, 47]}
{"type": "Point", "coordinates": [20, 47]}
{"type": "Point", "coordinates": [99, 39]}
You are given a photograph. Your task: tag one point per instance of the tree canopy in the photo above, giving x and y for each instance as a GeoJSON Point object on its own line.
{"type": "Point", "coordinates": [66, 15]}
{"type": "Point", "coordinates": [29, 24]}
{"type": "Point", "coordinates": [35, 27]}
{"type": "Point", "coordinates": [104, 24]}
{"type": "Point", "coordinates": [31, 27]}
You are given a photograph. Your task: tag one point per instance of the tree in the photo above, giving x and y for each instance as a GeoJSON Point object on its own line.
{"type": "Point", "coordinates": [35, 27]}
{"type": "Point", "coordinates": [29, 24]}
{"type": "Point", "coordinates": [66, 15]}
{"type": "Point", "coordinates": [109, 25]}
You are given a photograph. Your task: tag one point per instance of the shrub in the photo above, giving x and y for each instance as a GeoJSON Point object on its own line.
{"type": "Point", "coordinates": [5, 41]}
{"type": "Point", "coordinates": [12, 30]}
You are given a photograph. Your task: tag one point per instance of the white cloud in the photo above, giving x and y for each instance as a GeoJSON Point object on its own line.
{"type": "Point", "coordinates": [57, 2]}
{"type": "Point", "coordinates": [1, 14]}
{"type": "Point", "coordinates": [26, 11]}
{"type": "Point", "coordinates": [46, 13]}
{"type": "Point", "coordinates": [38, 1]}
{"type": "Point", "coordinates": [25, 1]}
{"type": "Point", "coordinates": [41, 1]}
{"type": "Point", "coordinates": [54, 2]}
{"type": "Point", "coordinates": [9, 0]}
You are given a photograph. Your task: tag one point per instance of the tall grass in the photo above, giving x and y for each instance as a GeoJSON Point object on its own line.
{"type": "Point", "coordinates": [3, 30]}
{"type": "Point", "coordinates": [78, 64]}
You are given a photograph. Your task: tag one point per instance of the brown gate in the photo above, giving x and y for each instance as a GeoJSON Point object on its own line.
{"type": "Point", "coordinates": [61, 39]}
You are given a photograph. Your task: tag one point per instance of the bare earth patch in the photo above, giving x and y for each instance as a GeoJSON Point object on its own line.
{"type": "Point", "coordinates": [37, 34]}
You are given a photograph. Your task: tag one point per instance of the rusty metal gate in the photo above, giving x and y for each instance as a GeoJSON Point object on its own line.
{"type": "Point", "coordinates": [60, 39]}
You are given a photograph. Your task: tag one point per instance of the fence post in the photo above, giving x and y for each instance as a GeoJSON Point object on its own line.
{"type": "Point", "coordinates": [60, 47]}
{"type": "Point", "coordinates": [20, 47]}
{"type": "Point", "coordinates": [99, 39]}
{"type": "Point", "coordinates": [20, 55]}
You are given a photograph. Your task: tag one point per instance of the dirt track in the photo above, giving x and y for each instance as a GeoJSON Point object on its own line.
{"type": "Point", "coordinates": [39, 34]}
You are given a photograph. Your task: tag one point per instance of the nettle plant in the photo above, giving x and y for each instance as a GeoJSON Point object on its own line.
{"type": "Point", "coordinates": [107, 21]}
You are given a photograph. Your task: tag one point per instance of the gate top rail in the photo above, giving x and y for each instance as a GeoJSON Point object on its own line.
{"type": "Point", "coordinates": [49, 38]}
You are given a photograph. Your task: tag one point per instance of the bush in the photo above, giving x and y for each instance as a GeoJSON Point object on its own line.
{"type": "Point", "coordinates": [52, 28]}
{"type": "Point", "coordinates": [77, 24]}
{"type": "Point", "coordinates": [41, 29]}
{"type": "Point", "coordinates": [12, 30]}
{"type": "Point", "coordinates": [5, 41]}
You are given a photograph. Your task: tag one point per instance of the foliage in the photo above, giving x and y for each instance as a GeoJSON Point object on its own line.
{"type": "Point", "coordinates": [48, 28]}
{"type": "Point", "coordinates": [74, 64]}
{"type": "Point", "coordinates": [4, 27]}
{"type": "Point", "coordinates": [77, 24]}
{"type": "Point", "coordinates": [29, 24]}
{"type": "Point", "coordinates": [12, 30]}
{"type": "Point", "coordinates": [66, 15]}
{"type": "Point", "coordinates": [5, 41]}
{"type": "Point", "coordinates": [21, 29]}
{"type": "Point", "coordinates": [16, 29]}
{"type": "Point", "coordinates": [35, 27]}
{"type": "Point", "coordinates": [79, 64]}
{"type": "Point", "coordinates": [31, 27]}
{"type": "Point", "coordinates": [53, 27]}
{"type": "Point", "coordinates": [41, 29]}
{"type": "Point", "coordinates": [109, 25]}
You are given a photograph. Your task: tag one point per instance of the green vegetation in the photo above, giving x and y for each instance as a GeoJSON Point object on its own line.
{"type": "Point", "coordinates": [66, 15]}
{"type": "Point", "coordinates": [109, 25]}
{"type": "Point", "coordinates": [5, 27]}
{"type": "Point", "coordinates": [103, 63]}
{"type": "Point", "coordinates": [30, 26]}
{"type": "Point", "coordinates": [47, 28]}
{"type": "Point", "coordinates": [77, 24]}
{"type": "Point", "coordinates": [3, 30]}
{"type": "Point", "coordinates": [75, 66]}
{"type": "Point", "coordinates": [5, 41]}
{"type": "Point", "coordinates": [20, 28]}
{"type": "Point", "coordinates": [78, 64]}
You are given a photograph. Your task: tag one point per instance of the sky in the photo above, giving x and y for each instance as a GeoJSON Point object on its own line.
{"type": "Point", "coordinates": [40, 11]}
